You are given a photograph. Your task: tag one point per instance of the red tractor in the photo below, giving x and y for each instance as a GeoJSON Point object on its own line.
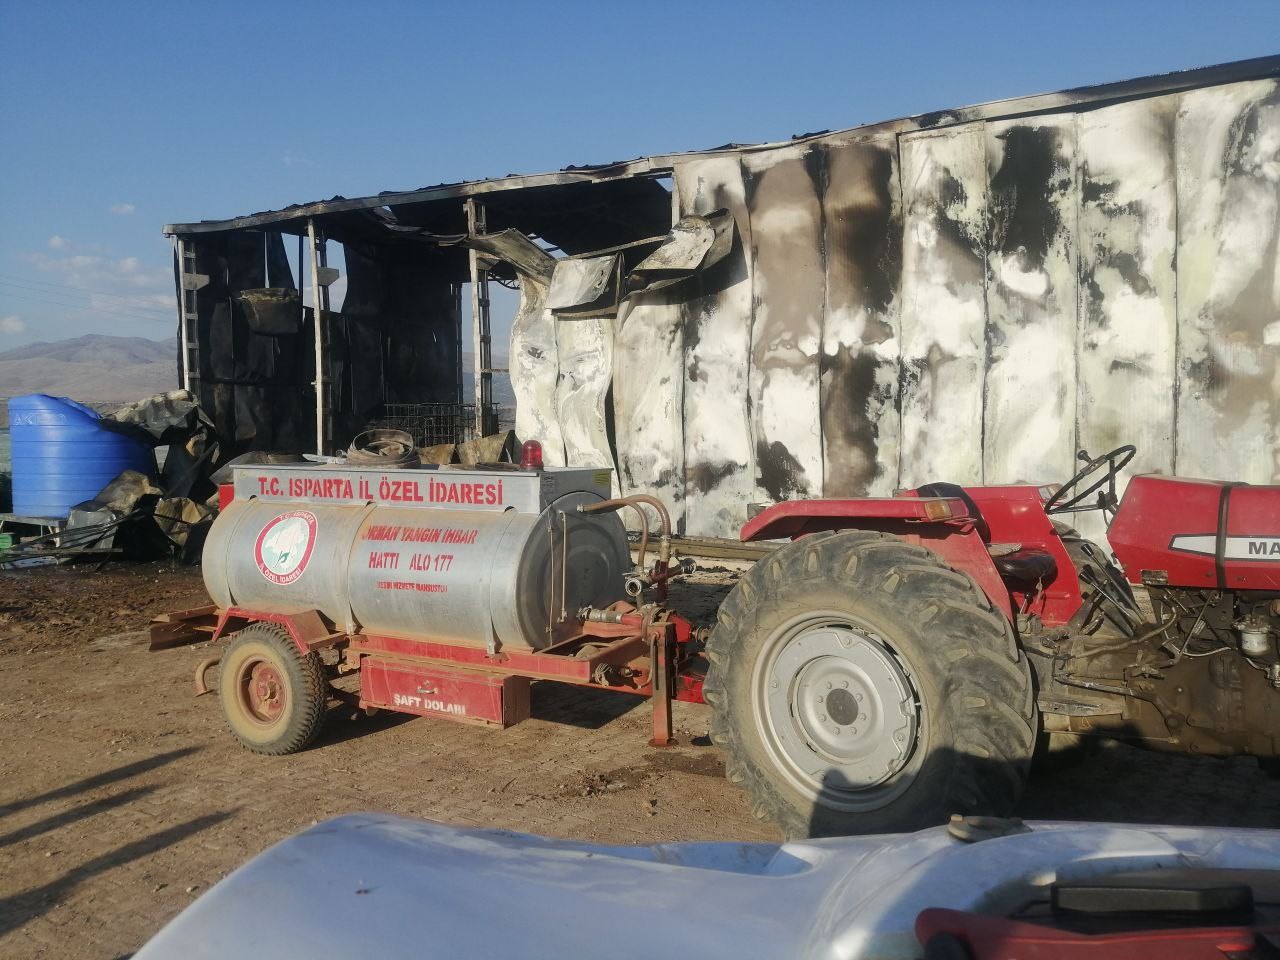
{"type": "Point", "coordinates": [901, 659]}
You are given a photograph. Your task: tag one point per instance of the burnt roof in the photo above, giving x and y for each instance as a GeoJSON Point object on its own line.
{"type": "Point", "coordinates": [581, 208]}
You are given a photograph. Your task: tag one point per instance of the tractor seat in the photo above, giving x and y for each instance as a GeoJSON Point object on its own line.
{"type": "Point", "coordinates": [1030, 565]}
{"type": "Point", "coordinates": [1013, 562]}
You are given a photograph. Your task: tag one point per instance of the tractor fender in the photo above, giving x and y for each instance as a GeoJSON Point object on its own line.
{"type": "Point", "coordinates": [794, 518]}
{"type": "Point", "coordinates": [307, 628]}
{"type": "Point", "coordinates": [941, 524]}
{"type": "Point", "coordinates": [967, 552]}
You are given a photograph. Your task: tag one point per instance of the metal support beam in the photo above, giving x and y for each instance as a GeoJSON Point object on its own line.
{"type": "Point", "coordinates": [188, 316]}
{"type": "Point", "coordinates": [458, 365]}
{"type": "Point", "coordinates": [486, 423]}
{"type": "Point", "coordinates": [319, 307]}
{"type": "Point", "coordinates": [183, 342]}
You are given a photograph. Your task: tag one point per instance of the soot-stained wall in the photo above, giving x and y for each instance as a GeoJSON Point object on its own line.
{"type": "Point", "coordinates": [971, 303]}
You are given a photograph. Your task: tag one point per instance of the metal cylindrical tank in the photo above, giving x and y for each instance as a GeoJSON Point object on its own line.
{"type": "Point", "coordinates": [248, 561]}
{"type": "Point", "coordinates": [62, 456]}
{"type": "Point", "coordinates": [483, 577]}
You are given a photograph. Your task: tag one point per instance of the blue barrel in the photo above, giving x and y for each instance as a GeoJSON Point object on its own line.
{"type": "Point", "coordinates": [62, 456]}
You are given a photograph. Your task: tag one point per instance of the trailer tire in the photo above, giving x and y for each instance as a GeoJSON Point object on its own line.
{"type": "Point", "coordinates": [917, 655]}
{"type": "Point", "coordinates": [273, 695]}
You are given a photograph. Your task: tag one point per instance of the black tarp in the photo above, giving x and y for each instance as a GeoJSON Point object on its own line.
{"type": "Point", "coordinates": [396, 338]}
{"type": "Point", "coordinates": [255, 386]}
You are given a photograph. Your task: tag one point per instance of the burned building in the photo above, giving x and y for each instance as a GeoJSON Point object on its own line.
{"type": "Point", "coordinates": [971, 295]}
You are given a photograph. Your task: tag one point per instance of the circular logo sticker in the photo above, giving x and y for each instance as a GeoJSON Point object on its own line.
{"type": "Point", "coordinates": [284, 546]}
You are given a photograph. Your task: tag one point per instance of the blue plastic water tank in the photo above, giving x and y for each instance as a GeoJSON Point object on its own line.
{"type": "Point", "coordinates": [62, 455]}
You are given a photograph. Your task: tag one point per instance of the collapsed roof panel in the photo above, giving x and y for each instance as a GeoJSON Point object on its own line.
{"type": "Point", "coordinates": [575, 217]}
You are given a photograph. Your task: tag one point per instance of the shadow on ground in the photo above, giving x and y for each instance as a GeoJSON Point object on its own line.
{"type": "Point", "coordinates": [18, 909]}
{"type": "Point", "coordinates": [22, 908]}
{"type": "Point", "coordinates": [1124, 784]}
{"type": "Point", "coordinates": [97, 780]}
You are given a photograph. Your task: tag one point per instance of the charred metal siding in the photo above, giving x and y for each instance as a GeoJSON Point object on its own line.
{"type": "Point", "coordinates": [972, 302]}
{"type": "Point", "coordinates": [1227, 154]}
{"type": "Point", "coordinates": [861, 326]}
{"type": "Point", "coordinates": [972, 296]}
{"type": "Point", "coordinates": [718, 451]}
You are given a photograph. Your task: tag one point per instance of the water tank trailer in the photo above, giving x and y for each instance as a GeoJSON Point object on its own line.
{"type": "Point", "coordinates": [446, 590]}
{"type": "Point", "coordinates": [896, 663]}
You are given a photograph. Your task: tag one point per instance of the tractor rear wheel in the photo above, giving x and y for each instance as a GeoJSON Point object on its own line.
{"type": "Point", "coordinates": [860, 685]}
{"type": "Point", "coordinates": [272, 694]}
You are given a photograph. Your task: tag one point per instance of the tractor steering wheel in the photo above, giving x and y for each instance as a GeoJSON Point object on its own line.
{"type": "Point", "coordinates": [1068, 497]}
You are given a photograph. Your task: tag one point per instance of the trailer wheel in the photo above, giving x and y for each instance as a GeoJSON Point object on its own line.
{"type": "Point", "coordinates": [272, 694]}
{"type": "Point", "coordinates": [860, 685]}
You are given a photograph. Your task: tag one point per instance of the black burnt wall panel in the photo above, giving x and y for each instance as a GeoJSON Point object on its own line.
{"type": "Point", "coordinates": [396, 339]}
{"type": "Point", "coordinates": [256, 387]}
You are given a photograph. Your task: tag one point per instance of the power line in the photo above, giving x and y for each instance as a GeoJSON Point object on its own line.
{"type": "Point", "coordinates": [81, 295]}
{"type": "Point", "coordinates": [63, 289]}
{"type": "Point", "coordinates": [54, 283]}
{"type": "Point", "coordinates": [108, 310]}
{"type": "Point", "coordinates": [131, 315]}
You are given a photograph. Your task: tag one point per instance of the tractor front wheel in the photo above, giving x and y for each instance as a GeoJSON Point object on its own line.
{"type": "Point", "coordinates": [860, 685]}
{"type": "Point", "coordinates": [272, 694]}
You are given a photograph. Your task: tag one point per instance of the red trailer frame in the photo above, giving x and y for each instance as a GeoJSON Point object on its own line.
{"type": "Point", "coordinates": [644, 651]}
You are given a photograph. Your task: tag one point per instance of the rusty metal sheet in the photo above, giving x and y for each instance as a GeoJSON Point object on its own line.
{"type": "Point", "coordinates": [648, 388]}
{"type": "Point", "coordinates": [1228, 169]}
{"type": "Point", "coordinates": [719, 478]}
{"type": "Point", "coordinates": [1029, 407]}
{"type": "Point", "coordinates": [944, 186]}
{"type": "Point", "coordinates": [788, 277]}
{"type": "Point", "coordinates": [1127, 330]}
{"type": "Point", "coordinates": [859, 362]}
{"type": "Point", "coordinates": [585, 351]}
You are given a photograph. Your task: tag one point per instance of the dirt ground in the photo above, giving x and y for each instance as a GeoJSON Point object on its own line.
{"type": "Point", "coordinates": [122, 798]}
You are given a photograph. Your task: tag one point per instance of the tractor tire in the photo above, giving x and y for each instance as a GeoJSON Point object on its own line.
{"type": "Point", "coordinates": [860, 685]}
{"type": "Point", "coordinates": [1093, 568]}
{"type": "Point", "coordinates": [273, 695]}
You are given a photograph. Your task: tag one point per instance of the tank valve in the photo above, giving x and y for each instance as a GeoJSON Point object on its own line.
{"type": "Point", "coordinates": [592, 615]}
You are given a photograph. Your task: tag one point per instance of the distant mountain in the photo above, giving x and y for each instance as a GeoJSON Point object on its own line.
{"type": "Point", "coordinates": [104, 369]}
{"type": "Point", "coordinates": [100, 349]}
{"type": "Point", "coordinates": [91, 368]}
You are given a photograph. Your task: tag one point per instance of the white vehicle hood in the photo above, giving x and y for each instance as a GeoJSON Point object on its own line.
{"type": "Point", "coordinates": [370, 885]}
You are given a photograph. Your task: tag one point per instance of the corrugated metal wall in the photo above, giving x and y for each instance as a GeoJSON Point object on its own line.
{"type": "Point", "coordinates": [971, 304]}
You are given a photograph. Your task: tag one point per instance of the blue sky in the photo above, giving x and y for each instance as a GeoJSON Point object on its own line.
{"type": "Point", "coordinates": [118, 118]}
